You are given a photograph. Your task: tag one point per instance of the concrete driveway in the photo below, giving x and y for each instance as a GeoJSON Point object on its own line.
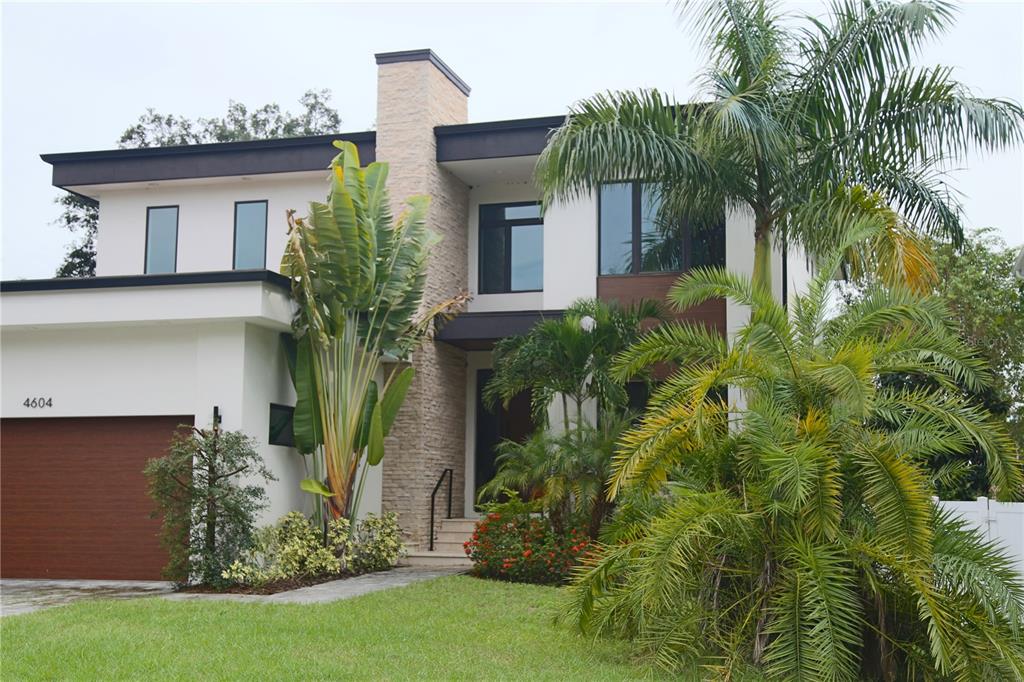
{"type": "Point", "coordinates": [25, 596]}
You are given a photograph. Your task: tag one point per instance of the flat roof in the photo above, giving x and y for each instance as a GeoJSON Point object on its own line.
{"type": "Point", "coordinates": [251, 157]}
{"type": "Point", "coordinates": [468, 141]}
{"type": "Point", "coordinates": [168, 279]}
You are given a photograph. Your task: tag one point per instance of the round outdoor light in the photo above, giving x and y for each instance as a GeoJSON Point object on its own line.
{"type": "Point", "coordinates": [587, 323]}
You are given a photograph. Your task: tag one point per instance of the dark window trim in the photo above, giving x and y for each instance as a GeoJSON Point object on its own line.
{"type": "Point", "coordinates": [145, 252]}
{"type": "Point", "coordinates": [507, 226]}
{"type": "Point", "coordinates": [234, 238]}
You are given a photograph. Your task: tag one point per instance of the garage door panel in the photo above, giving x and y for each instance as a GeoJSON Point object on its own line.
{"type": "Point", "coordinates": [73, 500]}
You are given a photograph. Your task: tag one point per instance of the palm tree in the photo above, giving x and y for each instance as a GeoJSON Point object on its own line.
{"type": "Point", "coordinates": [807, 124]}
{"type": "Point", "coordinates": [566, 473]}
{"type": "Point", "coordinates": [357, 279]}
{"type": "Point", "coordinates": [796, 537]}
{"type": "Point", "coordinates": [569, 359]}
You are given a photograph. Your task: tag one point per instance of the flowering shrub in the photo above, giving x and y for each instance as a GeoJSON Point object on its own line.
{"type": "Point", "coordinates": [293, 548]}
{"type": "Point", "coordinates": [510, 544]}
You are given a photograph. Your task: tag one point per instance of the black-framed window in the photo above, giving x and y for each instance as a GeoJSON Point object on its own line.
{"type": "Point", "coordinates": [281, 424]}
{"type": "Point", "coordinates": [250, 235]}
{"type": "Point", "coordinates": [511, 248]}
{"type": "Point", "coordinates": [161, 239]}
{"type": "Point", "coordinates": [633, 238]}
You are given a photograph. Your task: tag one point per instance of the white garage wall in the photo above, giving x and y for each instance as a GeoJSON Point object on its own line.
{"type": "Point", "coordinates": [159, 369]}
{"type": "Point", "coordinates": [206, 219]}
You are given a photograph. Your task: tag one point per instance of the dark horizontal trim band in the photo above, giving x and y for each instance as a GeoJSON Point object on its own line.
{"type": "Point", "coordinates": [253, 157]}
{"type": "Point", "coordinates": [495, 139]}
{"type": "Point", "coordinates": [129, 281]}
{"type": "Point", "coordinates": [479, 331]}
{"type": "Point", "coordinates": [426, 55]}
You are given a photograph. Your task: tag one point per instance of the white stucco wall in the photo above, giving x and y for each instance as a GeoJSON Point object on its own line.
{"type": "Point", "coordinates": [570, 251]}
{"type": "Point", "coordinates": [157, 368]}
{"type": "Point", "coordinates": [206, 219]}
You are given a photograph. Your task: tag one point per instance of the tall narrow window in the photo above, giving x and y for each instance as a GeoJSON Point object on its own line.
{"type": "Point", "coordinates": [161, 239]}
{"type": "Point", "coordinates": [511, 248]}
{"type": "Point", "coordinates": [635, 238]}
{"type": "Point", "coordinates": [250, 235]}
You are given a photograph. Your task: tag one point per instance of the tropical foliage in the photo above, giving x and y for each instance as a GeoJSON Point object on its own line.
{"type": "Point", "coordinates": [793, 536]}
{"type": "Point", "coordinates": [357, 278]}
{"type": "Point", "coordinates": [565, 473]}
{"type": "Point", "coordinates": [207, 490]}
{"type": "Point", "coordinates": [807, 123]}
{"type": "Point", "coordinates": [568, 360]}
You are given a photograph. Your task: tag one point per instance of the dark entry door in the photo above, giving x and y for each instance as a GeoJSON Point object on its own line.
{"type": "Point", "coordinates": [494, 426]}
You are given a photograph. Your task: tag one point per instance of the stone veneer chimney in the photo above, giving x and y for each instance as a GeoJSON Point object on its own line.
{"type": "Point", "coordinates": [415, 92]}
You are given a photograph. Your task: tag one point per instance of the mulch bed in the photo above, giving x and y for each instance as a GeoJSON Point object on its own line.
{"type": "Point", "coordinates": [270, 588]}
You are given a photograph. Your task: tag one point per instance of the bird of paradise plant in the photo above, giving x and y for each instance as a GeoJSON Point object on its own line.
{"type": "Point", "coordinates": [358, 279]}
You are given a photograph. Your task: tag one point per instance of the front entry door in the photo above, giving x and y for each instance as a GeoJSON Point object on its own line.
{"type": "Point", "coordinates": [493, 426]}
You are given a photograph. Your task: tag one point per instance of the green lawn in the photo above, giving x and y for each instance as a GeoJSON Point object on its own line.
{"type": "Point", "coordinates": [450, 628]}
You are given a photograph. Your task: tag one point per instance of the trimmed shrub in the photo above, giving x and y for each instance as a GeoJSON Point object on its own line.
{"type": "Point", "coordinates": [514, 545]}
{"type": "Point", "coordinates": [294, 548]}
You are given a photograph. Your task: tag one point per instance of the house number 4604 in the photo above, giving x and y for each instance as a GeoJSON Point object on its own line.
{"type": "Point", "coordinates": [38, 402]}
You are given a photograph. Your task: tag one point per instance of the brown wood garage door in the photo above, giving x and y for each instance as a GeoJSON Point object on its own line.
{"type": "Point", "coordinates": [73, 500]}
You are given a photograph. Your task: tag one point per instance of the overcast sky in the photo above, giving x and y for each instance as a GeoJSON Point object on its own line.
{"type": "Point", "coordinates": [75, 76]}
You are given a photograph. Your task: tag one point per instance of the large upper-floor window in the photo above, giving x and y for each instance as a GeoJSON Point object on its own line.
{"type": "Point", "coordinates": [250, 235]}
{"type": "Point", "coordinates": [511, 248]}
{"type": "Point", "coordinates": [634, 238]}
{"type": "Point", "coordinates": [161, 239]}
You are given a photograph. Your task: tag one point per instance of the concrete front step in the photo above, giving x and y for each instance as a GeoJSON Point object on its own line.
{"type": "Point", "coordinates": [436, 558]}
{"type": "Point", "coordinates": [464, 526]}
{"type": "Point", "coordinates": [452, 536]}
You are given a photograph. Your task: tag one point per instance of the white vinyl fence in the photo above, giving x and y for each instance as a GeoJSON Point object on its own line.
{"type": "Point", "coordinates": [1001, 521]}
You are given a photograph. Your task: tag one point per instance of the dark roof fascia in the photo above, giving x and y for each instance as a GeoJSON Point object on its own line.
{"type": "Point", "coordinates": [251, 157]}
{"type": "Point", "coordinates": [426, 55]}
{"type": "Point", "coordinates": [495, 139]}
{"type": "Point", "coordinates": [480, 330]}
{"type": "Point", "coordinates": [132, 281]}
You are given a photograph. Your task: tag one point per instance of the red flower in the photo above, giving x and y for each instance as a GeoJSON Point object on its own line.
{"type": "Point", "coordinates": [527, 553]}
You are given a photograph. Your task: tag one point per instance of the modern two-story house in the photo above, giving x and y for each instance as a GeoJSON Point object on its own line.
{"type": "Point", "coordinates": [183, 319]}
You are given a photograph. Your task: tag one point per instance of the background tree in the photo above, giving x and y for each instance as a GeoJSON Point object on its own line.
{"type": "Point", "coordinates": [80, 216]}
{"type": "Point", "coordinates": [807, 123]}
{"type": "Point", "coordinates": [208, 517]}
{"type": "Point", "coordinates": [986, 301]}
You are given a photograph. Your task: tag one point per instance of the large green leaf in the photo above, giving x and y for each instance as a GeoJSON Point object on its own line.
{"type": "Point", "coordinates": [375, 445]}
{"type": "Point", "coordinates": [369, 405]}
{"type": "Point", "coordinates": [306, 421]}
{"type": "Point", "coordinates": [315, 487]}
{"type": "Point", "coordinates": [394, 396]}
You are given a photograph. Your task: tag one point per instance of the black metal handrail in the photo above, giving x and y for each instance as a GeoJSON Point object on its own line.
{"type": "Point", "coordinates": [437, 486]}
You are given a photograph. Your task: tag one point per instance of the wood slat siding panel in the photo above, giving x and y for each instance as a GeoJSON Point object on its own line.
{"type": "Point", "coordinates": [73, 501]}
{"type": "Point", "coordinates": [630, 288]}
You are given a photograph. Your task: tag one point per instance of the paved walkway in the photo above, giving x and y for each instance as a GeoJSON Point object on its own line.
{"type": "Point", "coordinates": [335, 589]}
{"type": "Point", "coordinates": [25, 596]}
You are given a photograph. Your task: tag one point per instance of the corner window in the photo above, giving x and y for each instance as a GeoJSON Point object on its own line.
{"type": "Point", "coordinates": [281, 418]}
{"type": "Point", "coordinates": [161, 239]}
{"type": "Point", "coordinates": [634, 239]}
{"type": "Point", "coordinates": [250, 235]}
{"type": "Point", "coordinates": [511, 248]}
